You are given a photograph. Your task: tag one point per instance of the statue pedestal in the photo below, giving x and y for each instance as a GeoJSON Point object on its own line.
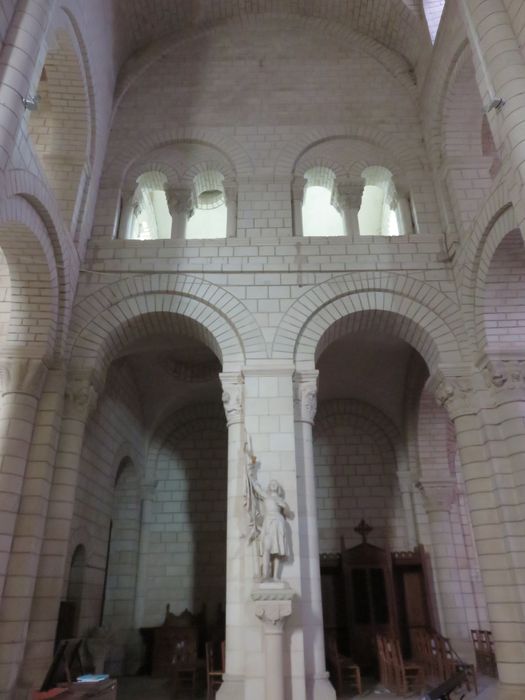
{"type": "Point", "coordinates": [273, 604]}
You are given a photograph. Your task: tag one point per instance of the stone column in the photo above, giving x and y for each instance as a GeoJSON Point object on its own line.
{"type": "Point", "coordinates": [180, 205]}
{"type": "Point", "coordinates": [500, 71]}
{"type": "Point", "coordinates": [21, 383]}
{"type": "Point", "coordinates": [148, 495]}
{"type": "Point", "coordinates": [405, 481]}
{"type": "Point", "coordinates": [230, 199]}
{"type": "Point", "coordinates": [18, 60]}
{"type": "Point", "coordinates": [232, 687]}
{"type": "Point", "coordinates": [439, 498]}
{"type": "Point", "coordinates": [80, 402]}
{"type": "Point", "coordinates": [298, 187]}
{"type": "Point", "coordinates": [305, 405]}
{"type": "Point", "coordinates": [496, 516]}
{"type": "Point", "coordinates": [15, 607]}
{"type": "Point", "coordinates": [273, 607]}
{"type": "Point", "coordinates": [350, 196]}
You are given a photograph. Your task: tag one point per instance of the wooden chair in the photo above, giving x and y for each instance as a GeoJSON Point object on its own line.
{"type": "Point", "coordinates": [213, 674]}
{"type": "Point", "coordinates": [398, 676]}
{"type": "Point", "coordinates": [484, 651]}
{"type": "Point", "coordinates": [183, 670]}
{"type": "Point", "coordinates": [342, 667]}
{"type": "Point", "coordinates": [451, 663]}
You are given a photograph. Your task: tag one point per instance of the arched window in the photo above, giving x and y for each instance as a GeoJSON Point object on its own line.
{"type": "Point", "coordinates": [209, 216]}
{"type": "Point", "coordinates": [383, 211]}
{"type": "Point", "coordinates": [150, 216]}
{"type": "Point", "coordinates": [433, 10]}
{"type": "Point", "coordinates": [321, 216]}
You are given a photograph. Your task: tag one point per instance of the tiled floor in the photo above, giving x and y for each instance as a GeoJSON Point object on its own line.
{"type": "Point", "coordinates": [145, 688]}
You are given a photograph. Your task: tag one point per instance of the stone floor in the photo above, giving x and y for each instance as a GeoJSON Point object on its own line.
{"type": "Point", "coordinates": [145, 688]}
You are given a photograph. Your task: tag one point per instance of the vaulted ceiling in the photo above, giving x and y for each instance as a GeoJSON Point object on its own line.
{"type": "Point", "coordinates": [394, 24]}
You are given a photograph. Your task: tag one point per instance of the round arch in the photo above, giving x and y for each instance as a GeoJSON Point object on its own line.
{"type": "Point", "coordinates": [417, 312]}
{"type": "Point", "coordinates": [110, 316]}
{"type": "Point", "coordinates": [30, 259]}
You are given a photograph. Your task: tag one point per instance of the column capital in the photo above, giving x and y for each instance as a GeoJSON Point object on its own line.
{"type": "Point", "coordinates": [439, 496]}
{"type": "Point", "coordinates": [22, 375]}
{"type": "Point", "coordinates": [453, 389]}
{"type": "Point", "coordinates": [80, 395]}
{"type": "Point", "coordinates": [232, 396]}
{"type": "Point", "coordinates": [503, 374]}
{"type": "Point", "coordinates": [350, 195]}
{"type": "Point", "coordinates": [273, 608]}
{"type": "Point", "coordinates": [305, 396]}
{"type": "Point", "coordinates": [179, 200]}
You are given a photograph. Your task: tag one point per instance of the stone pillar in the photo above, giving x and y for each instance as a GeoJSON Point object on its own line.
{"type": "Point", "coordinates": [500, 71]}
{"type": "Point", "coordinates": [230, 199]}
{"type": "Point", "coordinates": [318, 685]}
{"type": "Point", "coordinates": [232, 687]}
{"type": "Point", "coordinates": [496, 516]}
{"type": "Point", "coordinates": [80, 402]}
{"type": "Point", "coordinates": [148, 495]}
{"type": "Point", "coordinates": [439, 497]}
{"type": "Point", "coordinates": [15, 607]}
{"type": "Point", "coordinates": [180, 205]}
{"type": "Point", "coordinates": [349, 197]}
{"type": "Point", "coordinates": [273, 607]}
{"type": "Point", "coordinates": [405, 481]}
{"type": "Point", "coordinates": [18, 59]}
{"type": "Point", "coordinates": [298, 187]}
{"type": "Point", "coordinates": [21, 383]}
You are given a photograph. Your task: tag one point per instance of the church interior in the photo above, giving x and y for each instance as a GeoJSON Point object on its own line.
{"type": "Point", "coordinates": [262, 349]}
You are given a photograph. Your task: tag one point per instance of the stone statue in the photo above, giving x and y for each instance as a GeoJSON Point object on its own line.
{"type": "Point", "coordinates": [267, 528]}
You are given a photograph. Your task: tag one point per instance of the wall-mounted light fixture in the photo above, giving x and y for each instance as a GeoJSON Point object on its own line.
{"type": "Point", "coordinates": [31, 102]}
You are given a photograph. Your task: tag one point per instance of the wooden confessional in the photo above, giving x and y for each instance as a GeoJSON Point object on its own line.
{"type": "Point", "coordinates": [368, 591]}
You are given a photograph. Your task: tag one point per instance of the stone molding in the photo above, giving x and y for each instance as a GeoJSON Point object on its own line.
{"type": "Point", "coordinates": [454, 393]}
{"type": "Point", "coordinates": [305, 396]}
{"type": "Point", "coordinates": [273, 607]}
{"type": "Point", "coordinates": [21, 375]}
{"type": "Point", "coordinates": [232, 396]}
{"type": "Point", "coordinates": [503, 373]}
{"type": "Point", "coordinates": [438, 496]}
{"type": "Point", "coordinates": [80, 397]}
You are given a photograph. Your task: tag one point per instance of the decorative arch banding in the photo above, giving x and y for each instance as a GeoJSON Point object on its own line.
{"type": "Point", "coordinates": [410, 309]}
{"type": "Point", "coordinates": [106, 319]}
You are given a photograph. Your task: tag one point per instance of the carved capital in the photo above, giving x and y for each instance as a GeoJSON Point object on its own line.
{"type": "Point", "coordinates": [305, 396]}
{"type": "Point", "coordinates": [81, 397]}
{"type": "Point", "coordinates": [350, 195]}
{"type": "Point", "coordinates": [232, 397]}
{"type": "Point", "coordinates": [453, 393]}
{"type": "Point", "coordinates": [21, 375]}
{"type": "Point", "coordinates": [273, 605]}
{"type": "Point", "coordinates": [439, 496]}
{"type": "Point", "coordinates": [503, 374]}
{"type": "Point", "coordinates": [179, 200]}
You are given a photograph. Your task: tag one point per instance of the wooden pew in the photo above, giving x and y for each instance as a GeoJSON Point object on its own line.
{"type": "Point", "coordinates": [397, 675]}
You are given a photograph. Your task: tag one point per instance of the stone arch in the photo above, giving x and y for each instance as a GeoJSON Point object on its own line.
{"type": "Point", "coordinates": [196, 307]}
{"type": "Point", "coordinates": [397, 152]}
{"type": "Point", "coordinates": [390, 54]}
{"type": "Point", "coordinates": [61, 129]}
{"type": "Point", "coordinates": [126, 452]}
{"type": "Point", "coordinates": [29, 256]}
{"type": "Point", "coordinates": [495, 221]}
{"type": "Point", "coordinates": [22, 185]}
{"type": "Point", "coordinates": [413, 310]}
{"type": "Point", "coordinates": [118, 164]}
